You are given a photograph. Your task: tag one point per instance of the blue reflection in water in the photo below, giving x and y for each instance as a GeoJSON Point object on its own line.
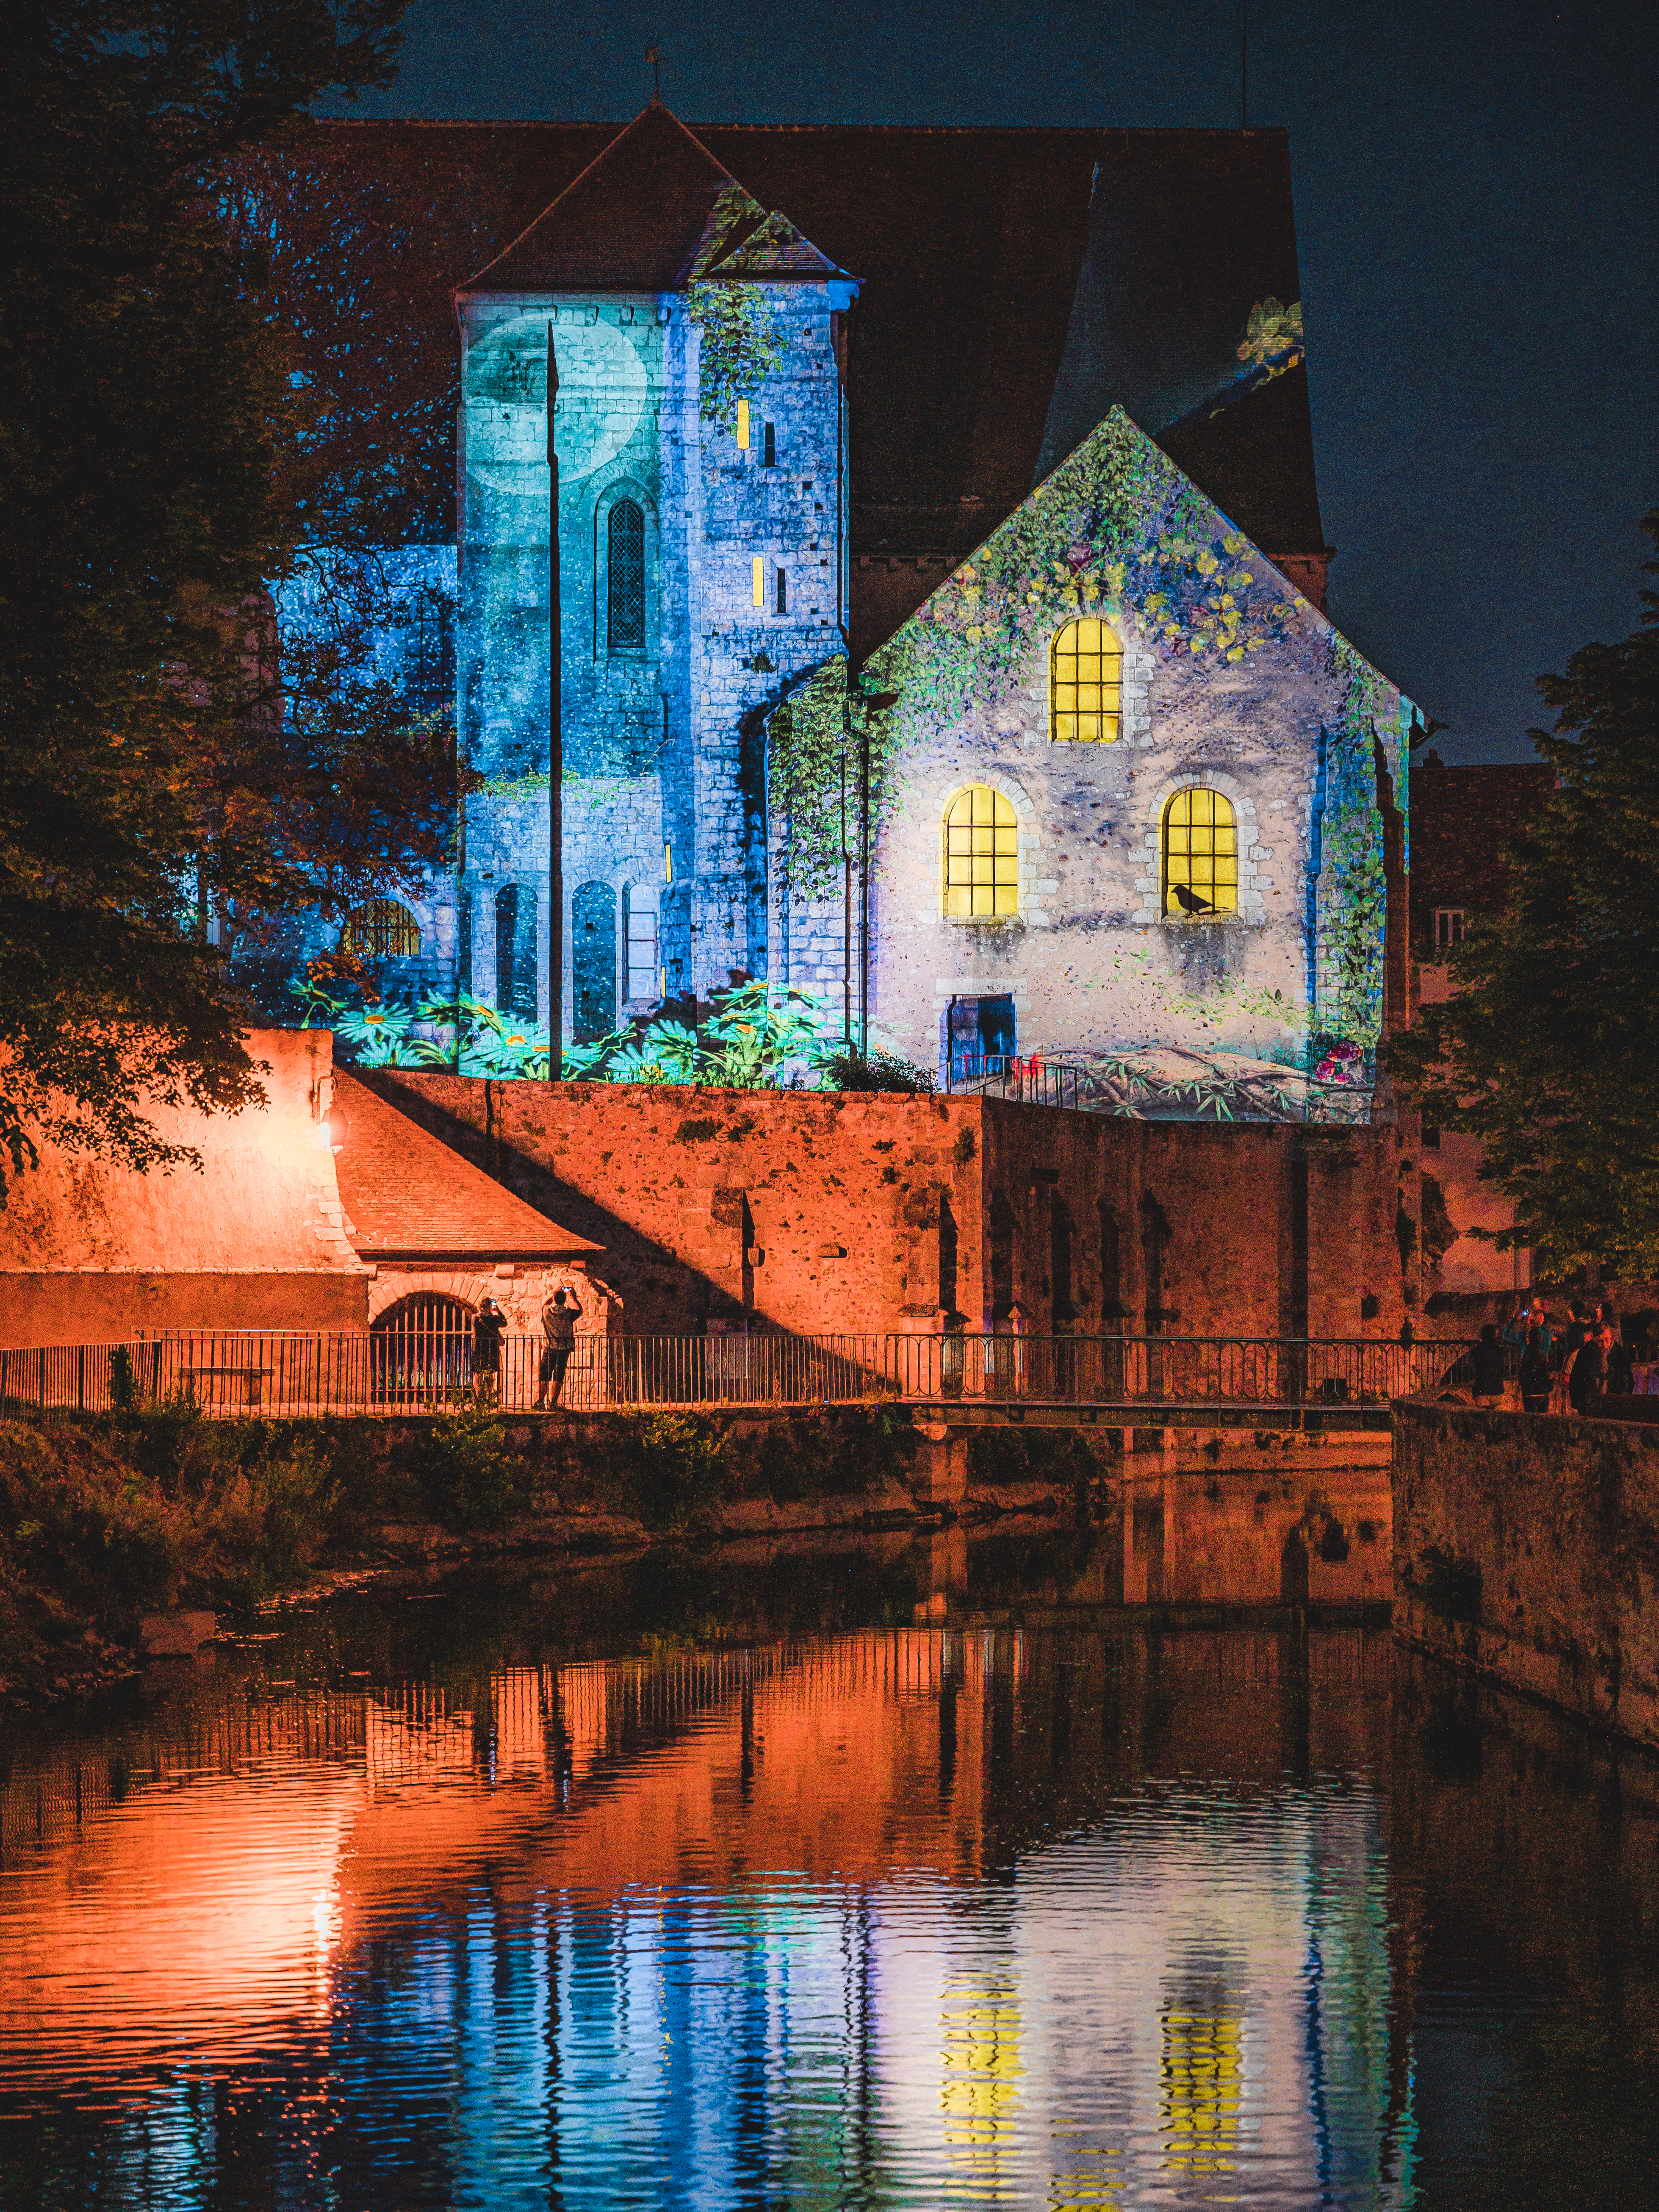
{"type": "Point", "coordinates": [895, 1919]}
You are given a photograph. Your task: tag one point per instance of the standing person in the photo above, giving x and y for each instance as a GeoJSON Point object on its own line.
{"type": "Point", "coordinates": [1616, 1364]}
{"type": "Point", "coordinates": [559, 1325]}
{"type": "Point", "coordinates": [1588, 1374]}
{"type": "Point", "coordinates": [1489, 1367]}
{"type": "Point", "coordinates": [1535, 1316]}
{"type": "Point", "coordinates": [1535, 1374]}
{"type": "Point", "coordinates": [487, 1326]}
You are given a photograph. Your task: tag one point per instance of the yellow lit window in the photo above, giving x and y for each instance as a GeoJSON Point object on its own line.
{"type": "Point", "coordinates": [1085, 684]}
{"type": "Point", "coordinates": [743, 424]}
{"type": "Point", "coordinates": [757, 580]}
{"type": "Point", "coordinates": [1201, 855]}
{"type": "Point", "coordinates": [981, 857]}
{"type": "Point", "coordinates": [382, 930]}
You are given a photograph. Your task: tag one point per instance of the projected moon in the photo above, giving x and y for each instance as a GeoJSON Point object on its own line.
{"type": "Point", "coordinates": [602, 389]}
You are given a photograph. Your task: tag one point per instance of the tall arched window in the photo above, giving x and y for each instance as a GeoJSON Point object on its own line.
{"type": "Point", "coordinates": [593, 961]}
{"type": "Point", "coordinates": [382, 930]}
{"type": "Point", "coordinates": [981, 857]}
{"type": "Point", "coordinates": [1085, 683]}
{"type": "Point", "coordinates": [1201, 855]}
{"type": "Point", "coordinates": [625, 577]}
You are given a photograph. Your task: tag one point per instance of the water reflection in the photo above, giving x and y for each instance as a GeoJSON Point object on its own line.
{"type": "Point", "coordinates": [990, 1911]}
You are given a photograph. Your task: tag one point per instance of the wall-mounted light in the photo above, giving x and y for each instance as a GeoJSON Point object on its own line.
{"type": "Point", "coordinates": [334, 1130]}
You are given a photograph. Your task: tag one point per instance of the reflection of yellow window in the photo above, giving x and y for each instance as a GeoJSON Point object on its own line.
{"type": "Point", "coordinates": [981, 2066]}
{"type": "Point", "coordinates": [382, 930]}
{"type": "Point", "coordinates": [1202, 2084]}
{"type": "Point", "coordinates": [1201, 855]}
{"type": "Point", "coordinates": [981, 857]}
{"type": "Point", "coordinates": [1085, 683]}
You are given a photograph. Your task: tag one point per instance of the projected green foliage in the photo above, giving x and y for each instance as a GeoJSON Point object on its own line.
{"type": "Point", "coordinates": [1116, 529]}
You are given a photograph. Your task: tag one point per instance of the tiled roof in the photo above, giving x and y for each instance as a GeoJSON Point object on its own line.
{"type": "Point", "coordinates": [651, 212]}
{"type": "Point", "coordinates": [408, 1196]}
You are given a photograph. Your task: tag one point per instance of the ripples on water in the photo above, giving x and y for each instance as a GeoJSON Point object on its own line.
{"type": "Point", "coordinates": [431, 1905]}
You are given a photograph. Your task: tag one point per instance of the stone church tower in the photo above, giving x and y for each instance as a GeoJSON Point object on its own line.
{"type": "Point", "coordinates": [700, 429]}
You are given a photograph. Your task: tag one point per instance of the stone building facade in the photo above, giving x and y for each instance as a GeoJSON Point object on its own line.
{"type": "Point", "coordinates": [808, 607]}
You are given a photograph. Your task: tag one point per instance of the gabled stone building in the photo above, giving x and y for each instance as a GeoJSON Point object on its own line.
{"type": "Point", "coordinates": [940, 612]}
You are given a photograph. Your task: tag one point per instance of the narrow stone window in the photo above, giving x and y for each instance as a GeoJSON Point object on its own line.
{"type": "Point", "coordinates": [1085, 684]}
{"type": "Point", "coordinates": [743, 424]}
{"type": "Point", "coordinates": [639, 942]}
{"type": "Point", "coordinates": [382, 930]}
{"type": "Point", "coordinates": [1448, 926]}
{"type": "Point", "coordinates": [783, 592]}
{"type": "Point", "coordinates": [758, 580]}
{"type": "Point", "coordinates": [981, 857]}
{"type": "Point", "coordinates": [593, 961]}
{"type": "Point", "coordinates": [770, 447]}
{"type": "Point", "coordinates": [625, 577]}
{"type": "Point", "coordinates": [1201, 855]}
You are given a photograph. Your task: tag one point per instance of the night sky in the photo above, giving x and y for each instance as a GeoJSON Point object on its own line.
{"type": "Point", "coordinates": [1479, 231]}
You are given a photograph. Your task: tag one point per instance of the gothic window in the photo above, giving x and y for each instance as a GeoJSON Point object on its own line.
{"type": "Point", "coordinates": [981, 857]}
{"type": "Point", "coordinates": [625, 576]}
{"type": "Point", "coordinates": [593, 961]}
{"type": "Point", "coordinates": [1201, 855]}
{"type": "Point", "coordinates": [515, 950]}
{"type": "Point", "coordinates": [1085, 683]}
{"type": "Point", "coordinates": [382, 930]}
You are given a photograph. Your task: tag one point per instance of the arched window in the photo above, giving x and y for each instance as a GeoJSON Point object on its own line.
{"type": "Point", "coordinates": [1085, 683]}
{"type": "Point", "coordinates": [593, 961]}
{"type": "Point", "coordinates": [382, 930]}
{"type": "Point", "coordinates": [625, 577]}
{"type": "Point", "coordinates": [515, 950]}
{"type": "Point", "coordinates": [421, 1348]}
{"type": "Point", "coordinates": [1201, 855]}
{"type": "Point", "coordinates": [981, 857]}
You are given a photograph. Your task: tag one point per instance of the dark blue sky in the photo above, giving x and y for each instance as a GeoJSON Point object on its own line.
{"type": "Point", "coordinates": [1479, 228]}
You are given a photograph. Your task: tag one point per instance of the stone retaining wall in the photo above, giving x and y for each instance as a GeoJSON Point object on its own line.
{"type": "Point", "coordinates": [1526, 1547]}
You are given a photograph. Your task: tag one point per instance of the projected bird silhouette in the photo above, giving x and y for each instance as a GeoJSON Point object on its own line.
{"type": "Point", "coordinates": [1190, 900]}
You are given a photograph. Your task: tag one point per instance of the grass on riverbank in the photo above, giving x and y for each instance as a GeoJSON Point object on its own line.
{"type": "Point", "coordinates": [139, 1514]}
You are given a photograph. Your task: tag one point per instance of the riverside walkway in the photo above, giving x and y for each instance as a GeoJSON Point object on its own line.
{"type": "Point", "coordinates": [1138, 1380]}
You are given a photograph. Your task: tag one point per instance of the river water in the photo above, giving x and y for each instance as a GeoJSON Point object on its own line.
{"type": "Point", "coordinates": [894, 1873]}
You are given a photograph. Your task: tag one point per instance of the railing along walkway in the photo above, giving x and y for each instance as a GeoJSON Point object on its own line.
{"type": "Point", "coordinates": [289, 1375]}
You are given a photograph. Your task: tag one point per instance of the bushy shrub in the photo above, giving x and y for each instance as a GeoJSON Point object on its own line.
{"type": "Point", "coordinates": [678, 1474]}
{"type": "Point", "coordinates": [470, 1479]}
{"type": "Point", "coordinates": [874, 1071]}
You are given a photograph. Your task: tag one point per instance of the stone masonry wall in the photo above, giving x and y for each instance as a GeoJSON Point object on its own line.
{"type": "Point", "coordinates": [827, 1212]}
{"type": "Point", "coordinates": [1526, 1547]}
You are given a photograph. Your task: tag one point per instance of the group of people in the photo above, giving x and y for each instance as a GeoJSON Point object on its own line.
{"type": "Point", "coordinates": [1584, 1360]}
{"type": "Point", "coordinates": [559, 1317]}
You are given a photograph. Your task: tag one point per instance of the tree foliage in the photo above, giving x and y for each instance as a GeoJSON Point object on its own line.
{"type": "Point", "coordinates": [148, 432]}
{"type": "Point", "coordinates": [1547, 1051]}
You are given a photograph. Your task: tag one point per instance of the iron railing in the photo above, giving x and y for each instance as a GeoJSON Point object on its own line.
{"type": "Point", "coordinates": [1168, 1371]}
{"type": "Point", "coordinates": [294, 1373]}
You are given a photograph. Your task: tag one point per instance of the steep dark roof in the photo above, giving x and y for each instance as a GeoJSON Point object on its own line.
{"type": "Point", "coordinates": [653, 209]}
{"type": "Point", "coordinates": [1013, 285]}
{"type": "Point", "coordinates": [1251, 459]}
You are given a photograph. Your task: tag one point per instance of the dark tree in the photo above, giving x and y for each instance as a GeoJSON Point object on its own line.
{"type": "Point", "coordinates": [151, 437]}
{"type": "Point", "coordinates": [1547, 1052]}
